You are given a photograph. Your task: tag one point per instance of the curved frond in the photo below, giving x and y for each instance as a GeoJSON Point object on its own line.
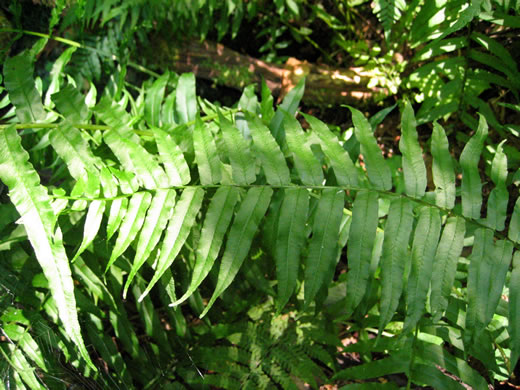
{"type": "Point", "coordinates": [34, 206]}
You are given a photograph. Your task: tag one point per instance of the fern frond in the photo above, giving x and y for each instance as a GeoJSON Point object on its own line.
{"type": "Point", "coordinates": [204, 189]}
{"type": "Point", "coordinates": [34, 206]}
{"type": "Point", "coordinates": [23, 95]}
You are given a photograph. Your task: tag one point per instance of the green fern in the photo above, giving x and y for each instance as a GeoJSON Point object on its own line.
{"type": "Point", "coordinates": [185, 191]}
{"type": "Point", "coordinates": [266, 351]}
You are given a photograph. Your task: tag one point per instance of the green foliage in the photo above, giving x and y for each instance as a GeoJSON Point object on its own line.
{"type": "Point", "coordinates": [225, 204]}
{"type": "Point", "coordinates": [244, 240]}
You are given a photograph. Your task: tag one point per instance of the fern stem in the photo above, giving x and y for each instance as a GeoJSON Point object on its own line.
{"type": "Point", "coordinates": [85, 126]}
{"type": "Point", "coordinates": [93, 127]}
{"type": "Point", "coordinates": [412, 358]}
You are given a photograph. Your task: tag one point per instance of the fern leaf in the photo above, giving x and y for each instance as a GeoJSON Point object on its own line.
{"type": "Point", "coordinates": [57, 73]}
{"type": "Point", "coordinates": [344, 170]}
{"type": "Point", "coordinates": [395, 256]}
{"type": "Point", "coordinates": [242, 163]}
{"type": "Point", "coordinates": [218, 217]}
{"type": "Point", "coordinates": [471, 187]}
{"type": "Point", "coordinates": [428, 353]}
{"type": "Point", "coordinates": [172, 158]}
{"type": "Point", "coordinates": [378, 170]}
{"type": "Point", "coordinates": [96, 286]}
{"type": "Point", "coordinates": [244, 227]}
{"type": "Point", "coordinates": [208, 162]}
{"type": "Point", "coordinates": [34, 206]}
{"type": "Point", "coordinates": [501, 260]}
{"type": "Point", "coordinates": [24, 341]}
{"type": "Point", "coordinates": [499, 197]}
{"type": "Point", "coordinates": [442, 169]}
{"type": "Point", "coordinates": [321, 254]}
{"type": "Point", "coordinates": [486, 276]}
{"type": "Point", "coordinates": [153, 99]}
{"type": "Point", "coordinates": [514, 310]}
{"type": "Point", "coordinates": [445, 264]}
{"type": "Point", "coordinates": [430, 375]}
{"type": "Point", "coordinates": [115, 216]}
{"type": "Point", "coordinates": [266, 105]}
{"type": "Point", "coordinates": [71, 104]}
{"type": "Point", "coordinates": [74, 150]}
{"type": "Point", "coordinates": [289, 241]}
{"type": "Point", "coordinates": [514, 226]}
{"type": "Point", "coordinates": [185, 99]}
{"type": "Point", "coordinates": [92, 225]}
{"type": "Point", "coordinates": [308, 167]}
{"type": "Point", "coordinates": [108, 183]}
{"type": "Point", "coordinates": [112, 113]}
{"type": "Point", "coordinates": [360, 243]}
{"type": "Point", "coordinates": [157, 217]}
{"type": "Point", "coordinates": [413, 163]}
{"type": "Point", "coordinates": [388, 12]}
{"type": "Point", "coordinates": [396, 363]}
{"type": "Point", "coordinates": [136, 159]}
{"type": "Point", "coordinates": [179, 228]}
{"type": "Point", "coordinates": [23, 370]}
{"type": "Point", "coordinates": [18, 80]}
{"type": "Point", "coordinates": [168, 110]}
{"type": "Point", "coordinates": [463, 19]}
{"type": "Point", "coordinates": [425, 241]}
{"type": "Point", "coordinates": [289, 105]}
{"type": "Point", "coordinates": [267, 150]}
{"type": "Point", "coordinates": [131, 224]}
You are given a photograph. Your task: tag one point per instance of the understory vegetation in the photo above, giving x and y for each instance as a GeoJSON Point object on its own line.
{"type": "Point", "coordinates": [158, 231]}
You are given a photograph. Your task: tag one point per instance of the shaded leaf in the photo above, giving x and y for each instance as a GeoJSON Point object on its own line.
{"type": "Point", "coordinates": [179, 228]}
{"type": "Point", "coordinates": [290, 241]}
{"type": "Point", "coordinates": [413, 163]}
{"type": "Point", "coordinates": [471, 187]}
{"type": "Point", "coordinates": [308, 167]}
{"type": "Point", "coordinates": [245, 225]}
{"type": "Point", "coordinates": [242, 163]}
{"type": "Point", "coordinates": [361, 241]}
{"type": "Point", "coordinates": [71, 104]}
{"type": "Point", "coordinates": [395, 256]}
{"type": "Point", "coordinates": [487, 270]}
{"type": "Point", "coordinates": [269, 153]}
{"type": "Point", "coordinates": [344, 170]}
{"type": "Point", "coordinates": [445, 264]}
{"type": "Point", "coordinates": [442, 169]}
{"type": "Point", "coordinates": [19, 82]}
{"type": "Point", "coordinates": [514, 310]}
{"type": "Point", "coordinates": [157, 217]}
{"type": "Point", "coordinates": [321, 254]}
{"type": "Point", "coordinates": [289, 106]}
{"type": "Point", "coordinates": [499, 197]}
{"type": "Point", "coordinates": [425, 241]}
{"type": "Point", "coordinates": [377, 169]}
{"type": "Point", "coordinates": [216, 223]}
{"type": "Point", "coordinates": [131, 224]}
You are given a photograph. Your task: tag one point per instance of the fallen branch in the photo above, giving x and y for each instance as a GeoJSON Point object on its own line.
{"type": "Point", "coordinates": [213, 61]}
